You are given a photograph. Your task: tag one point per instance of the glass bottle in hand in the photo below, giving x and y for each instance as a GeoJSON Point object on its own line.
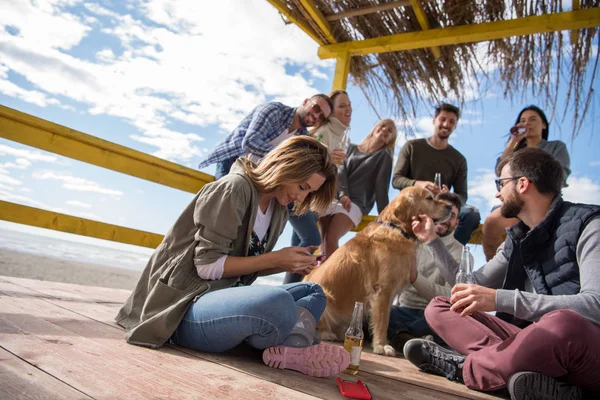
{"type": "Point", "coordinates": [465, 272]}
{"type": "Point", "coordinates": [353, 342]}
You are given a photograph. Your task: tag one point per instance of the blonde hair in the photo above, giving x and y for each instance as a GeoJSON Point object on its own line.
{"type": "Point", "coordinates": [294, 161]}
{"type": "Point", "coordinates": [392, 143]}
{"type": "Point", "coordinates": [332, 95]}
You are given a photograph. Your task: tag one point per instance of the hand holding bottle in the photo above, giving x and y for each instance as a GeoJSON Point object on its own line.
{"type": "Point", "coordinates": [517, 134]}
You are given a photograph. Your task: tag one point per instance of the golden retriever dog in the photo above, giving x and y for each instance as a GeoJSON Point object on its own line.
{"type": "Point", "coordinates": [373, 267]}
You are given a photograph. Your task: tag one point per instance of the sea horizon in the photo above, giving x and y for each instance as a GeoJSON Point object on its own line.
{"type": "Point", "coordinates": [101, 253]}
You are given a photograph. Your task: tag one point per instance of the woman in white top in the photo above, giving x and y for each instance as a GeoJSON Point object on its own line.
{"type": "Point", "coordinates": [332, 134]}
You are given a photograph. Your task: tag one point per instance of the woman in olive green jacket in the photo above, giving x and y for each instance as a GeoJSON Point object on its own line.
{"type": "Point", "coordinates": [195, 290]}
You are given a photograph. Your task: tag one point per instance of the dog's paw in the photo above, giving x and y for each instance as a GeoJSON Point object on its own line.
{"type": "Point", "coordinates": [386, 350]}
{"type": "Point", "coordinates": [328, 336]}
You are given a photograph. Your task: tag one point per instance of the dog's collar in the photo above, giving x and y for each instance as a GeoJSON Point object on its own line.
{"type": "Point", "coordinates": [402, 231]}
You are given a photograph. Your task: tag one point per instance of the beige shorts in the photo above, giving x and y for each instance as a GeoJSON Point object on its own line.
{"type": "Point", "coordinates": [354, 214]}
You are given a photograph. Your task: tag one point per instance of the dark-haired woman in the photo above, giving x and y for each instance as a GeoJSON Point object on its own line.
{"type": "Point", "coordinates": [530, 130]}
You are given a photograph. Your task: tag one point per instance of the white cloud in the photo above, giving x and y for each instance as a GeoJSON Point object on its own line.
{"type": "Point", "coordinates": [30, 96]}
{"type": "Point", "coordinates": [88, 215]}
{"type": "Point", "coordinates": [78, 184]}
{"type": "Point", "coordinates": [78, 203]}
{"type": "Point", "coordinates": [20, 163]}
{"type": "Point", "coordinates": [482, 190]}
{"type": "Point", "coordinates": [27, 155]}
{"type": "Point", "coordinates": [19, 199]}
{"type": "Point", "coordinates": [8, 180]}
{"type": "Point", "coordinates": [582, 190]}
{"type": "Point", "coordinates": [595, 164]}
{"type": "Point", "coordinates": [187, 64]}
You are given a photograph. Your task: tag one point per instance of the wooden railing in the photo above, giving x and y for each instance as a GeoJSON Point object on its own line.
{"type": "Point", "coordinates": [45, 135]}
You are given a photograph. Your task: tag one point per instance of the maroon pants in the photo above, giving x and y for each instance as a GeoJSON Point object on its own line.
{"type": "Point", "coordinates": [562, 344]}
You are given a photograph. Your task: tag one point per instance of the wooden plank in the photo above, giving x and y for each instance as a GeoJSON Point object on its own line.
{"type": "Point", "coordinates": [94, 358]}
{"type": "Point", "coordinates": [285, 11]}
{"type": "Point", "coordinates": [21, 380]}
{"type": "Point", "coordinates": [317, 16]}
{"type": "Point", "coordinates": [400, 369]}
{"type": "Point", "coordinates": [568, 20]}
{"type": "Point", "coordinates": [33, 216]}
{"type": "Point", "coordinates": [356, 12]}
{"type": "Point", "coordinates": [244, 360]}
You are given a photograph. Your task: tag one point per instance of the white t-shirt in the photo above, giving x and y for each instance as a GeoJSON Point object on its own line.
{"type": "Point", "coordinates": [215, 270]}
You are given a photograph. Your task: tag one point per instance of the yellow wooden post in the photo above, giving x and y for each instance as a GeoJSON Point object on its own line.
{"type": "Point", "coordinates": [342, 68]}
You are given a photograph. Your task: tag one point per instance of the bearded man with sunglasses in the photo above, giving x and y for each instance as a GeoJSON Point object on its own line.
{"type": "Point", "coordinates": [264, 128]}
{"type": "Point", "coordinates": [543, 284]}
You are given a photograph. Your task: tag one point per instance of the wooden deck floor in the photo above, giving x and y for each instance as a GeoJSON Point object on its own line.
{"type": "Point", "coordinates": [59, 341]}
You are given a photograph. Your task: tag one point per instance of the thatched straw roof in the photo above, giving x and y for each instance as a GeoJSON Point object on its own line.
{"type": "Point", "coordinates": [398, 81]}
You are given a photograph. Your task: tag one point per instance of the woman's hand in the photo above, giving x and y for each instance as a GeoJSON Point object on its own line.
{"type": "Point", "coordinates": [517, 134]}
{"type": "Point", "coordinates": [298, 260]}
{"type": "Point", "coordinates": [423, 228]}
{"type": "Point", "coordinates": [338, 154]}
{"type": "Point", "coordinates": [346, 203]}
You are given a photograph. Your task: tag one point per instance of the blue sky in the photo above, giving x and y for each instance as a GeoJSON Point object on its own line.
{"type": "Point", "coordinates": [171, 78]}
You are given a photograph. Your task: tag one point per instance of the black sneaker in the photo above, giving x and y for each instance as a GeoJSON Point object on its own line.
{"type": "Point", "coordinates": [431, 357]}
{"type": "Point", "coordinates": [536, 386]}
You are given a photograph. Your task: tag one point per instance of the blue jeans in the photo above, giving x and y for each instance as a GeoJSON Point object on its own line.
{"type": "Point", "coordinates": [306, 233]}
{"type": "Point", "coordinates": [261, 315]}
{"type": "Point", "coordinates": [468, 221]}
{"type": "Point", "coordinates": [410, 320]}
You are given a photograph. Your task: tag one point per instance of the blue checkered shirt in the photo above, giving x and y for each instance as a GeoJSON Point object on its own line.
{"type": "Point", "coordinates": [254, 133]}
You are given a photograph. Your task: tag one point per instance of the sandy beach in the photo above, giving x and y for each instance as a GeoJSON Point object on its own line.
{"type": "Point", "coordinates": [34, 266]}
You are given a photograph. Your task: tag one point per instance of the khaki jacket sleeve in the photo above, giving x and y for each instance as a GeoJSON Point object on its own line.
{"type": "Point", "coordinates": [219, 216]}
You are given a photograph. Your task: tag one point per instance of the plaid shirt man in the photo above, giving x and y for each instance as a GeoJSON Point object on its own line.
{"type": "Point", "coordinates": [253, 134]}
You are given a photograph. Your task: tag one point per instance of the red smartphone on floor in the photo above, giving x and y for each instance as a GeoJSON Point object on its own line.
{"type": "Point", "coordinates": [354, 390]}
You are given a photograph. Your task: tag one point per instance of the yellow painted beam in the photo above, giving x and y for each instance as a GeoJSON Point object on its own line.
{"type": "Point", "coordinates": [58, 139]}
{"type": "Point", "coordinates": [342, 68]}
{"type": "Point", "coordinates": [366, 220]}
{"type": "Point", "coordinates": [568, 20]}
{"type": "Point", "coordinates": [319, 18]}
{"type": "Point", "coordinates": [422, 18]}
{"type": "Point", "coordinates": [574, 33]}
{"type": "Point", "coordinates": [282, 8]}
{"type": "Point", "coordinates": [21, 214]}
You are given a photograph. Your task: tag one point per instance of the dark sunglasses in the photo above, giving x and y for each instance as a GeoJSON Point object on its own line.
{"type": "Point", "coordinates": [500, 182]}
{"type": "Point", "coordinates": [317, 110]}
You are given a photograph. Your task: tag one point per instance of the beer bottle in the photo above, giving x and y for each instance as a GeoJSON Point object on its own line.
{"type": "Point", "coordinates": [353, 342]}
{"type": "Point", "coordinates": [465, 272]}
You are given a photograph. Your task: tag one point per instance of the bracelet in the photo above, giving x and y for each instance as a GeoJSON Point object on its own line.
{"type": "Point", "coordinates": [512, 144]}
